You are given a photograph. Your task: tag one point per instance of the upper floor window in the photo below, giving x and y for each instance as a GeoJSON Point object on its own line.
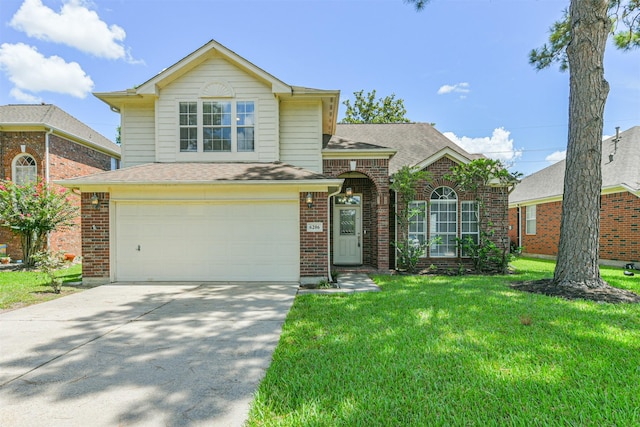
{"type": "Point", "coordinates": [217, 126]}
{"type": "Point", "coordinates": [531, 219]}
{"type": "Point", "coordinates": [443, 222]}
{"type": "Point", "coordinates": [25, 169]}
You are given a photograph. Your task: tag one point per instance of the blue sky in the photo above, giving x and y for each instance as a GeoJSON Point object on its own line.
{"type": "Point", "coordinates": [459, 64]}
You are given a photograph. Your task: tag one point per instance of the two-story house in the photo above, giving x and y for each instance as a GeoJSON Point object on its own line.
{"type": "Point", "coordinates": [230, 174]}
{"type": "Point", "coordinates": [44, 142]}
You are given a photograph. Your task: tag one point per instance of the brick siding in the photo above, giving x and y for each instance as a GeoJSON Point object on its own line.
{"type": "Point", "coordinates": [494, 211]}
{"type": "Point", "coordinates": [375, 205]}
{"type": "Point", "coordinates": [67, 159]}
{"type": "Point", "coordinates": [378, 212]}
{"type": "Point", "coordinates": [619, 228]}
{"type": "Point", "coordinates": [313, 245]}
{"type": "Point", "coordinates": [95, 233]}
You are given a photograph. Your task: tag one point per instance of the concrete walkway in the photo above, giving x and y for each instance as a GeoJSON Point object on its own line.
{"type": "Point", "coordinates": [347, 283]}
{"type": "Point", "coordinates": [175, 354]}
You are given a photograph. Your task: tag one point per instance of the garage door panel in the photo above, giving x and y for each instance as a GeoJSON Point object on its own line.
{"type": "Point", "coordinates": [210, 242]}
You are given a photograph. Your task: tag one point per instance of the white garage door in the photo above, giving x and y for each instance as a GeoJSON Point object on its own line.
{"type": "Point", "coordinates": [207, 241]}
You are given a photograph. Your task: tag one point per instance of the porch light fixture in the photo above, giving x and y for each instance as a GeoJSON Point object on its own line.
{"type": "Point", "coordinates": [309, 200]}
{"type": "Point", "coordinates": [95, 202]}
{"type": "Point", "coordinates": [349, 192]}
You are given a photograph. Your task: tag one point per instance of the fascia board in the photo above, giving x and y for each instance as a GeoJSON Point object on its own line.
{"type": "Point", "coordinates": [558, 198]}
{"type": "Point", "coordinates": [307, 185]}
{"type": "Point", "coordinates": [445, 152]}
{"type": "Point", "coordinates": [359, 154]}
{"type": "Point", "coordinates": [67, 135]}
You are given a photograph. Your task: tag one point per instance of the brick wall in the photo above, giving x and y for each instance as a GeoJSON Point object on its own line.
{"type": "Point", "coordinates": [619, 228]}
{"type": "Point", "coordinates": [375, 190]}
{"type": "Point", "coordinates": [494, 211]}
{"type": "Point", "coordinates": [95, 233]}
{"type": "Point", "coordinates": [313, 245]}
{"type": "Point", "coordinates": [66, 160]}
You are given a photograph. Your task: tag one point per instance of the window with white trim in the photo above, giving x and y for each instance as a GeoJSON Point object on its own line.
{"type": "Point", "coordinates": [188, 126]}
{"type": "Point", "coordinates": [469, 228]}
{"type": "Point", "coordinates": [443, 222]}
{"type": "Point", "coordinates": [530, 219]}
{"type": "Point", "coordinates": [418, 222]}
{"type": "Point", "coordinates": [25, 169]}
{"type": "Point", "coordinates": [217, 126]}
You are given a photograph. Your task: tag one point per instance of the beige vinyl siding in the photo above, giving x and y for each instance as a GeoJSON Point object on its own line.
{"type": "Point", "coordinates": [301, 134]}
{"type": "Point", "coordinates": [189, 87]}
{"type": "Point", "coordinates": [138, 136]}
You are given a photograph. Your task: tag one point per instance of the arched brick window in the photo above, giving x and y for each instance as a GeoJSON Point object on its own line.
{"type": "Point", "coordinates": [443, 222]}
{"type": "Point", "coordinates": [25, 169]}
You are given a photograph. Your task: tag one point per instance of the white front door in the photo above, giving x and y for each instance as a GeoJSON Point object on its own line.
{"type": "Point", "coordinates": [347, 230]}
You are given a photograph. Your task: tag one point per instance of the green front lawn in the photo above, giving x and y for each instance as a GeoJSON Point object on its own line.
{"type": "Point", "coordinates": [22, 288]}
{"type": "Point", "coordinates": [455, 351]}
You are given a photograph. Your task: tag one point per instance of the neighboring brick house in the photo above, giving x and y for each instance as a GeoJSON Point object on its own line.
{"type": "Point", "coordinates": [44, 142]}
{"type": "Point", "coordinates": [230, 174]}
{"type": "Point", "coordinates": [535, 206]}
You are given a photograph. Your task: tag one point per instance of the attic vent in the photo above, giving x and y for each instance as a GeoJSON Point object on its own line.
{"type": "Point", "coordinates": [217, 90]}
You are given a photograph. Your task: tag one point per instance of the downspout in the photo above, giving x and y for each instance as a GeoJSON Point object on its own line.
{"type": "Point", "coordinates": [46, 172]}
{"type": "Point", "coordinates": [395, 230]}
{"type": "Point", "coordinates": [46, 155]}
{"type": "Point", "coordinates": [329, 232]}
{"type": "Point", "coordinates": [519, 227]}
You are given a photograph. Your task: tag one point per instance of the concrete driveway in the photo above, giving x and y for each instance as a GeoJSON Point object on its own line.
{"type": "Point", "coordinates": [173, 354]}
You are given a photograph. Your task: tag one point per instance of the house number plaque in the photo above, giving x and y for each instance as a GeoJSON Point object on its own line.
{"type": "Point", "coordinates": [314, 227]}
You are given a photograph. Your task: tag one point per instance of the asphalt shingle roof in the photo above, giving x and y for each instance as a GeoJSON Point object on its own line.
{"type": "Point", "coordinates": [48, 115]}
{"type": "Point", "coordinates": [196, 173]}
{"type": "Point", "coordinates": [623, 171]}
{"type": "Point", "coordinates": [414, 142]}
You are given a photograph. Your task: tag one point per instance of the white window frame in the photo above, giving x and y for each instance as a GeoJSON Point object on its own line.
{"type": "Point", "coordinates": [443, 197]}
{"type": "Point", "coordinates": [189, 126]}
{"type": "Point", "coordinates": [469, 226]}
{"type": "Point", "coordinates": [530, 220]}
{"type": "Point", "coordinates": [417, 227]}
{"type": "Point", "coordinates": [20, 173]}
{"type": "Point", "coordinates": [239, 122]}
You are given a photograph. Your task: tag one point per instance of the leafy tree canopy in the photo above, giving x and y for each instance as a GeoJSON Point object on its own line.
{"type": "Point", "coordinates": [366, 109]}
{"type": "Point", "coordinates": [625, 31]}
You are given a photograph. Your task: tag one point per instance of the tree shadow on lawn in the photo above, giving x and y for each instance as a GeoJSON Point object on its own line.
{"type": "Point", "coordinates": [445, 354]}
{"type": "Point", "coordinates": [168, 359]}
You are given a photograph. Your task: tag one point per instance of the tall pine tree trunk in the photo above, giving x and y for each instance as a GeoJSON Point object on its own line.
{"type": "Point", "coordinates": [578, 250]}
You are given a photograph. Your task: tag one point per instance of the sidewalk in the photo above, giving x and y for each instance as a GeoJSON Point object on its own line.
{"type": "Point", "coordinates": [347, 283]}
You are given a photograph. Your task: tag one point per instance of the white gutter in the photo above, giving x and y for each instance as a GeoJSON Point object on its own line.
{"type": "Point", "coordinates": [77, 139]}
{"type": "Point", "coordinates": [519, 226]}
{"type": "Point", "coordinates": [329, 232]}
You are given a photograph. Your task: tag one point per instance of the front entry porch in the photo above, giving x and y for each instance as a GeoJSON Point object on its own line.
{"type": "Point", "coordinates": [357, 243]}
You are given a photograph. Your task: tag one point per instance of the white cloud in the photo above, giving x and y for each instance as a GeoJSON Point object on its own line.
{"type": "Point", "coordinates": [24, 97]}
{"type": "Point", "coordinates": [556, 156]}
{"type": "Point", "coordinates": [30, 71]}
{"type": "Point", "coordinates": [456, 88]}
{"type": "Point", "coordinates": [498, 146]}
{"type": "Point", "coordinates": [75, 26]}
